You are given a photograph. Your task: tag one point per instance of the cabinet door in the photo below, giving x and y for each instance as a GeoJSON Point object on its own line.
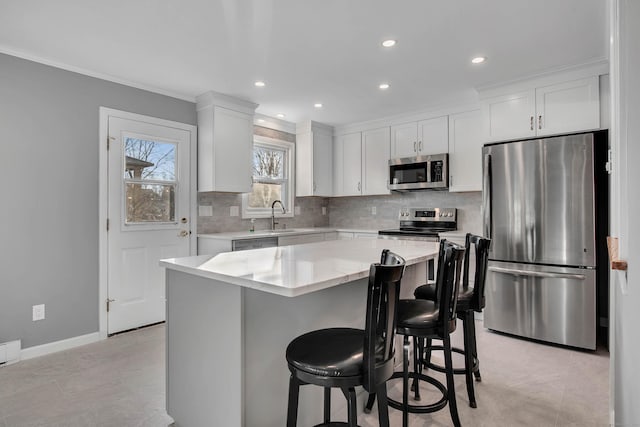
{"type": "Point", "coordinates": [509, 116]}
{"type": "Point", "coordinates": [375, 161]}
{"type": "Point", "coordinates": [232, 148]}
{"type": "Point", "coordinates": [568, 107]}
{"type": "Point", "coordinates": [433, 136]}
{"type": "Point", "coordinates": [465, 151]}
{"type": "Point", "coordinates": [404, 140]}
{"type": "Point", "coordinates": [347, 165]}
{"type": "Point", "coordinates": [322, 164]}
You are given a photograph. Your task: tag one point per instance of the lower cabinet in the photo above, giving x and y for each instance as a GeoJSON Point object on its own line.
{"type": "Point", "coordinates": [300, 239]}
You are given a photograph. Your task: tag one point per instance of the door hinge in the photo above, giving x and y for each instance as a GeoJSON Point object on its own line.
{"type": "Point", "coordinates": [109, 139]}
{"type": "Point", "coordinates": [109, 301]}
{"type": "Point", "coordinates": [609, 165]}
{"type": "Point", "coordinates": [107, 224]}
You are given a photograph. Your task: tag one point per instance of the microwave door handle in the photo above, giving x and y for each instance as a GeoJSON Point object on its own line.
{"type": "Point", "coordinates": [486, 195]}
{"type": "Point", "coordinates": [428, 170]}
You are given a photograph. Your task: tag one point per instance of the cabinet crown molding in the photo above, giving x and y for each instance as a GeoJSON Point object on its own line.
{"type": "Point", "coordinates": [311, 126]}
{"type": "Point", "coordinates": [212, 98]}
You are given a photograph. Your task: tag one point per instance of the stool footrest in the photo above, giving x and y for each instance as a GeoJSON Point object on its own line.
{"type": "Point", "coordinates": [333, 424]}
{"type": "Point", "coordinates": [421, 409]}
{"type": "Point", "coordinates": [457, 371]}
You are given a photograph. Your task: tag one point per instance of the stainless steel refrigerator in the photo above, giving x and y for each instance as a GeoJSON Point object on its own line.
{"type": "Point", "coordinates": [539, 208]}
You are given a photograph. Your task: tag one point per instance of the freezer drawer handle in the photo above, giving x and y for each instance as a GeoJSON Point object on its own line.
{"type": "Point", "coordinates": [516, 272]}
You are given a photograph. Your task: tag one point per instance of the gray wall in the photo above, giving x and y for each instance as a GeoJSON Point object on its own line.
{"type": "Point", "coordinates": [49, 215]}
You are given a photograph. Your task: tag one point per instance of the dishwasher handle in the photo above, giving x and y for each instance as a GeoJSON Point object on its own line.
{"type": "Point", "coordinates": [543, 274]}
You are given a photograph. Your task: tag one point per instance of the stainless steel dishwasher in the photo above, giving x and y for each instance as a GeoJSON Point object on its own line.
{"type": "Point", "coordinates": [257, 243]}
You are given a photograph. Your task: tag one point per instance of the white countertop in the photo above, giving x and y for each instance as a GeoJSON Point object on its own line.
{"type": "Point", "coordinates": [300, 269]}
{"type": "Point", "coordinates": [241, 235]}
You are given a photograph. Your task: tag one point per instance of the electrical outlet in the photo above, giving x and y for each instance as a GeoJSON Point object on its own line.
{"type": "Point", "coordinates": [324, 210]}
{"type": "Point", "coordinates": [374, 210]}
{"type": "Point", "coordinates": [206, 210]}
{"type": "Point", "coordinates": [38, 312]}
{"type": "Point", "coordinates": [234, 211]}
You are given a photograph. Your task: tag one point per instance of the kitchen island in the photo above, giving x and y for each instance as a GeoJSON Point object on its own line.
{"type": "Point", "coordinates": [231, 316]}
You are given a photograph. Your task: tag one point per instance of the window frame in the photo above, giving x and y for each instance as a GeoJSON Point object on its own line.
{"type": "Point", "coordinates": [289, 179]}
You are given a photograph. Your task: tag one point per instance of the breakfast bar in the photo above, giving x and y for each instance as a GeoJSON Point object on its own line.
{"type": "Point", "coordinates": [231, 316]}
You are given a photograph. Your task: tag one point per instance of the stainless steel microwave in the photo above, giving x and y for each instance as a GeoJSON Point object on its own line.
{"type": "Point", "coordinates": [419, 173]}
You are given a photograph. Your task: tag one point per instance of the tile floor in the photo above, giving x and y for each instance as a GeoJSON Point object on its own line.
{"type": "Point", "coordinates": [120, 382]}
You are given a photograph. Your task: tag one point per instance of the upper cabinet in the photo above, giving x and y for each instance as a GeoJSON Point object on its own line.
{"type": "Point", "coordinates": [314, 159]}
{"type": "Point", "coordinates": [225, 141]}
{"type": "Point", "coordinates": [465, 151]}
{"type": "Point", "coordinates": [571, 106]}
{"type": "Point", "coordinates": [361, 163]}
{"type": "Point", "coordinates": [375, 161]}
{"type": "Point", "coordinates": [420, 138]}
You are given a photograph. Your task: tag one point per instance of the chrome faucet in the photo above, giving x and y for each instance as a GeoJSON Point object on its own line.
{"type": "Point", "coordinates": [273, 216]}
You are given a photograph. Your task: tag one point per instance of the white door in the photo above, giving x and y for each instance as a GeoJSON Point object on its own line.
{"type": "Point", "coordinates": [148, 217]}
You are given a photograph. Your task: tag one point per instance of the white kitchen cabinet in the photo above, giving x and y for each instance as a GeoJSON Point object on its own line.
{"type": "Point", "coordinates": [314, 159]}
{"type": "Point", "coordinates": [347, 165]}
{"type": "Point", "coordinates": [225, 143]}
{"type": "Point", "coordinates": [424, 137]}
{"type": "Point", "coordinates": [345, 235]}
{"type": "Point", "coordinates": [375, 161]}
{"type": "Point", "coordinates": [465, 151]}
{"type": "Point", "coordinates": [571, 106]}
{"type": "Point", "coordinates": [300, 239]}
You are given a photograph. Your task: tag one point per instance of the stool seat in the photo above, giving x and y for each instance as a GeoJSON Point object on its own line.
{"type": "Point", "coordinates": [428, 292]}
{"type": "Point", "coordinates": [335, 352]}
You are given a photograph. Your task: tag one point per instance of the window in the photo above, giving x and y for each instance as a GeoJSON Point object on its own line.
{"type": "Point", "coordinates": [272, 179]}
{"type": "Point", "coordinates": [149, 181]}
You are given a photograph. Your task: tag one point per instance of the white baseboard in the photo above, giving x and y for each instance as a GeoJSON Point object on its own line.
{"type": "Point", "coordinates": [54, 347]}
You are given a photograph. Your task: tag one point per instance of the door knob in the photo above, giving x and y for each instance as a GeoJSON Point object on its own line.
{"type": "Point", "coordinates": [183, 233]}
{"type": "Point", "coordinates": [183, 220]}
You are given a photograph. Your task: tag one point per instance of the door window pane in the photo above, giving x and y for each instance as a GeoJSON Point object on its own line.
{"type": "Point", "coordinates": [150, 202]}
{"type": "Point", "coordinates": [149, 160]}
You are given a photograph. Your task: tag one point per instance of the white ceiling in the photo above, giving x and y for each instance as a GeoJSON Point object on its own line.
{"type": "Point", "coordinates": [310, 51]}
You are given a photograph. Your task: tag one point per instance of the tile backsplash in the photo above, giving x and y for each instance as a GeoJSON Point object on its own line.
{"type": "Point", "coordinates": [356, 212]}
{"type": "Point", "coordinates": [345, 212]}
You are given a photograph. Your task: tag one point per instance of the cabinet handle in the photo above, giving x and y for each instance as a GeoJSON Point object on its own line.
{"type": "Point", "coordinates": [419, 145]}
{"type": "Point", "coordinates": [539, 122]}
{"type": "Point", "coordinates": [314, 187]}
{"type": "Point", "coordinates": [358, 186]}
{"type": "Point", "coordinates": [415, 149]}
{"type": "Point", "coordinates": [531, 123]}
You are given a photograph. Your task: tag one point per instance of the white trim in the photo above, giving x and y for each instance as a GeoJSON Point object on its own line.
{"type": "Point", "coordinates": [102, 76]}
{"type": "Point", "coordinates": [211, 98]}
{"type": "Point", "coordinates": [103, 193]}
{"type": "Point", "coordinates": [56, 346]}
{"type": "Point", "coordinates": [273, 123]}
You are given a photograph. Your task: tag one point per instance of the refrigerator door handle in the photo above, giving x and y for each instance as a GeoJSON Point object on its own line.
{"type": "Point", "coordinates": [486, 195]}
{"type": "Point", "coordinates": [517, 272]}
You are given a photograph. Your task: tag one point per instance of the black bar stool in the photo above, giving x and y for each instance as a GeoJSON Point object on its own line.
{"type": "Point", "coordinates": [469, 300]}
{"type": "Point", "coordinates": [345, 357]}
{"type": "Point", "coordinates": [422, 319]}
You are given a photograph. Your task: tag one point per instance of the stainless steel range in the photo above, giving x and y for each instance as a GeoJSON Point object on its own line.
{"type": "Point", "coordinates": [422, 224]}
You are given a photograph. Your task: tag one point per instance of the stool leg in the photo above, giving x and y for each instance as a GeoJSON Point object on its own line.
{"type": "Point", "coordinates": [427, 353]}
{"type": "Point", "coordinates": [383, 405]}
{"type": "Point", "coordinates": [370, 401]}
{"type": "Point", "coordinates": [451, 391]}
{"type": "Point", "coordinates": [474, 346]}
{"type": "Point", "coordinates": [416, 362]}
{"type": "Point", "coordinates": [327, 404]}
{"type": "Point", "coordinates": [292, 410]}
{"type": "Point", "coordinates": [350, 394]}
{"type": "Point", "coordinates": [468, 356]}
{"type": "Point", "coordinates": [405, 382]}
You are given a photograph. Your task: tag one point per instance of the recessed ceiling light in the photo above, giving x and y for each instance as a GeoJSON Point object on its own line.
{"type": "Point", "coordinates": [259, 83]}
{"type": "Point", "coordinates": [280, 116]}
{"type": "Point", "coordinates": [384, 86]}
{"type": "Point", "coordinates": [478, 59]}
{"type": "Point", "coordinates": [317, 105]}
{"type": "Point", "coordinates": [388, 43]}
